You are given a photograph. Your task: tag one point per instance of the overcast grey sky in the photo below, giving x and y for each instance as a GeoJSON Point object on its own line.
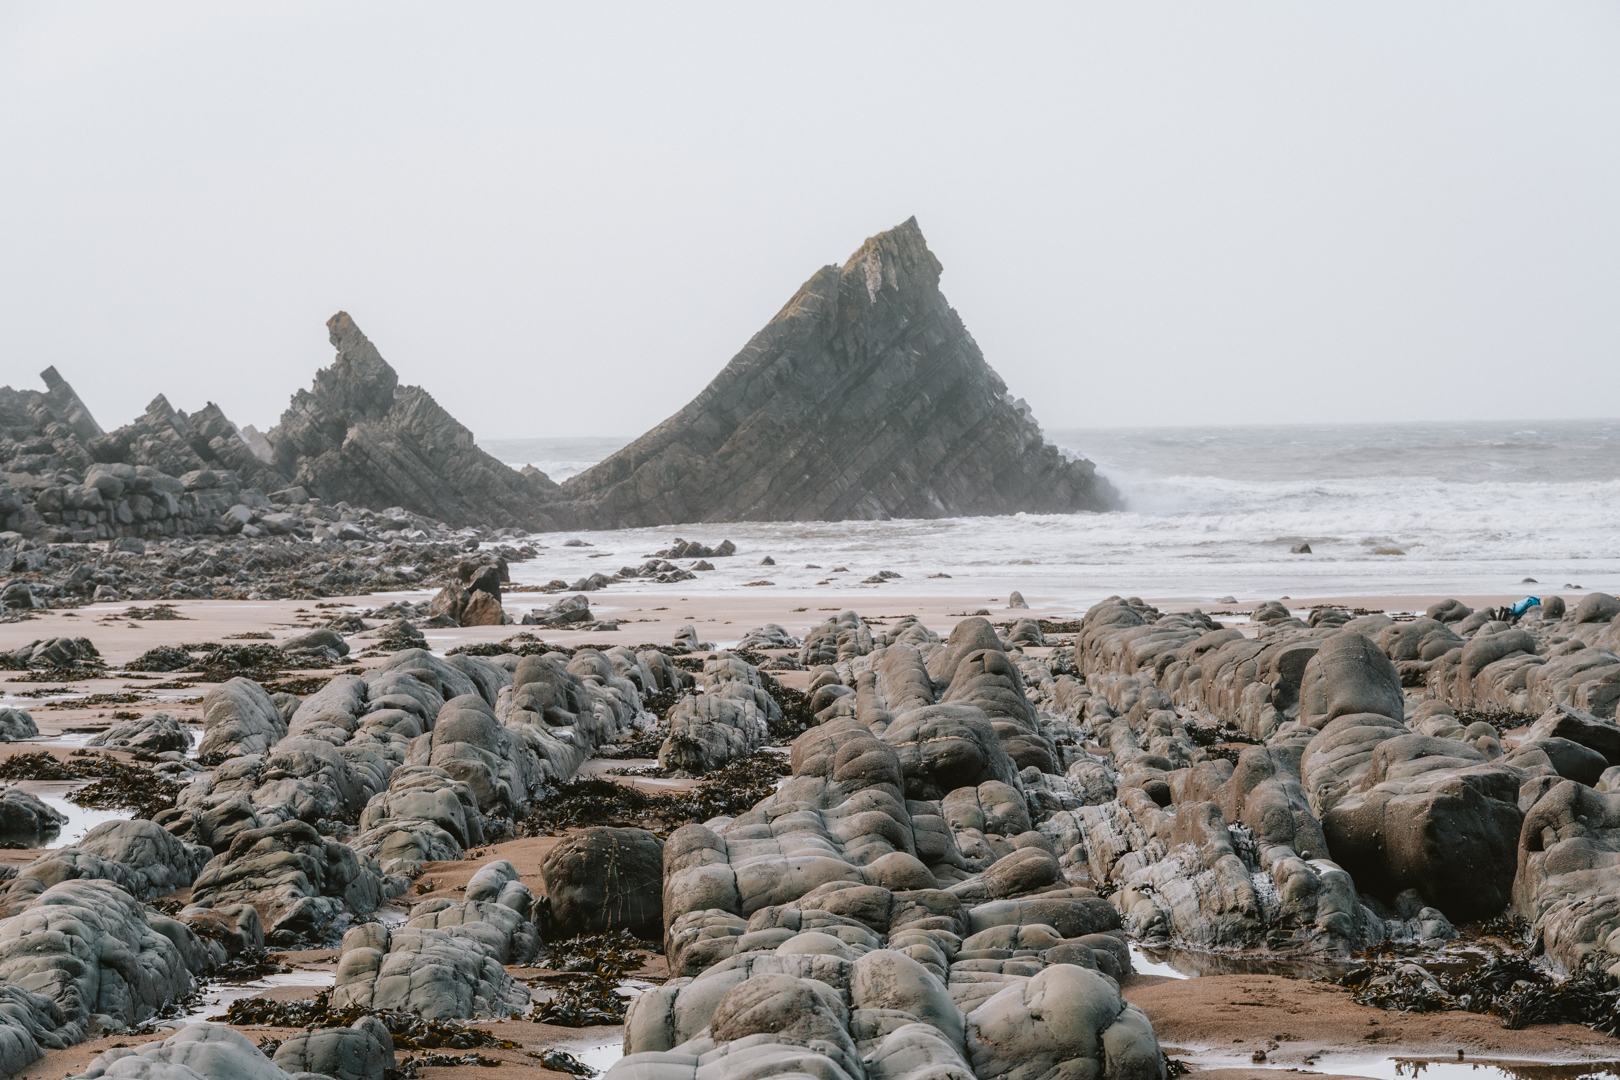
{"type": "Point", "coordinates": [563, 220]}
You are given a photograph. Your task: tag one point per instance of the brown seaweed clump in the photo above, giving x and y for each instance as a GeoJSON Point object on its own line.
{"type": "Point", "coordinates": [160, 658]}
{"type": "Point", "coordinates": [410, 1032]}
{"type": "Point", "coordinates": [727, 792]}
{"type": "Point", "coordinates": [117, 785]}
{"type": "Point", "coordinates": [591, 969]}
{"type": "Point", "coordinates": [1506, 985]}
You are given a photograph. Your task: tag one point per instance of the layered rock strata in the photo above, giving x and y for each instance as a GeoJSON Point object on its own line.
{"type": "Point", "coordinates": [864, 398]}
{"type": "Point", "coordinates": [358, 436]}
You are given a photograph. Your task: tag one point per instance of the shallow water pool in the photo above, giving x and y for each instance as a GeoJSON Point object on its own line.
{"type": "Point", "coordinates": [218, 996]}
{"type": "Point", "coordinates": [1434, 1068]}
{"type": "Point", "coordinates": [601, 1058]}
{"type": "Point", "coordinates": [1191, 963]}
{"type": "Point", "coordinates": [80, 819]}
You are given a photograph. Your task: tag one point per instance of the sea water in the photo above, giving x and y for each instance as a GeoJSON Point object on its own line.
{"type": "Point", "coordinates": [1473, 508]}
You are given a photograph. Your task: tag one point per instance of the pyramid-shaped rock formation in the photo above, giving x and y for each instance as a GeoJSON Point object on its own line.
{"type": "Point", "coordinates": [864, 398]}
{"type": "Point", "coordinates": [360, 437]}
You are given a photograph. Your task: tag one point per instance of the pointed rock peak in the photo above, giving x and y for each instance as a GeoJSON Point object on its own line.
{"type": "Point", "coordinates": [159, 411]}
{"type": "Point", "coordinates": [895, 261]}
{"type": "Point", "coordinates": [360, 437]}
{"type": "Point", "coordinates": [359, 380]}
{"type": "Point", "coordinates": [66, 406]}
{"type": "Point", "coordinates": [865, 397]}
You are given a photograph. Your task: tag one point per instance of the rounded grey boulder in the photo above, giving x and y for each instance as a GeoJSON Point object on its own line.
{"type": "Point", "coordinates": [240, 719]}
{"type": "Point", "coordinates": [364, 1051]}
{"type": "Point", "coordinates": [196, 1050]}
{"type": "Point", "coordinates": [601, 880]}
{"type": "Point", "coordinates": [1036, 1030]}
{"type": "Point", "coordinates": [1348, 674]}
{"type": "Point", "coordinates": [155, 732]}
{"type": "Point", "coordinates": [16, 724]}
{"type": "Point", "coordinates": [22, 814]}
{"type": "Point", "coordinates": [1596, 607]}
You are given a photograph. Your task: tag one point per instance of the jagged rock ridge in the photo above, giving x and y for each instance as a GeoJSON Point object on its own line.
{"type": "Point", "coordinates": [54, 429]}
{"type": "Point", "coordinates": [864, 398]}
{"type": "Point", "coordinates": [360, 437]}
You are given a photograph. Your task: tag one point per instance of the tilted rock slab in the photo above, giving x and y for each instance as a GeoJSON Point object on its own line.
{"type": "Point", "coordinates": [358, 436]}
{"type": "Point", "coordinates": [864, 398]}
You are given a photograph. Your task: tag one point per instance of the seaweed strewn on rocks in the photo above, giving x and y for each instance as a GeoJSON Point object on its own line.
{"type": "Point", "coordinates": [410, 1032]}
{"type": "Point", "coordinates": [407, 1069]}
{"type": "Point", "coordinates": [155, 613]}
{"type": "Point", "coordinates": [644, 745]}
{"type": "Point", "coordinates": [1505, 985]}
{"type": "Point", "coordinates": [522, 643]}
{"type": "Point", "coordinates": [116, 785]}
{"type": "Point", "coordinates": [1500, 719]}
{"type": "Point", "coordinates": [593, 966]}
{"type": "Point", "coordinates": [161, 658]}
{"type": "Point", "coordinates": [143, 792]}
{"type": "Point", "coordinates": [588, 801]}
{"type": "Point", "coordinates": [659, 704]}
{"type": "Point", "coordinates": [91, 701]}
{"type": "Point", "coordinates": [796, 715]}
{"type": "Point", "coordinates": [257, 661]}
{"type": "Point", "coordinates": [267, 1013]}
{"type": "Point", "coordinates": [561, 1061]}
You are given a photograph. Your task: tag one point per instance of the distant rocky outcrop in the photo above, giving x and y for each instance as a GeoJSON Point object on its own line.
{"type": "Point", "coordinates": [864, 398]}
{"type": "Point", "coordinates": [360, 437]}
{"type": "Point", "coordinates": [165, 474]}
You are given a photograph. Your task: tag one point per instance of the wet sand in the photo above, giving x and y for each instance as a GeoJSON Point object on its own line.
{"type": "Point", "coordinates": [1305, 1024]}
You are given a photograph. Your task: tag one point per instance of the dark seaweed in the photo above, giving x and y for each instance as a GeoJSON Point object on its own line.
{"type": "Point", "coordinates": [143, 792]}
{"type": "Point", "coordinates": [522, 643]}
{"type": "Point", "coordinates": [406, 1070]}
{"type": "Point", "coordinates": [1505, 985]}
{"type": "Point", "coordinates": [1207, 735]}
{"type": "Point", "coordinates": [161, 658]}
{"type": "Point", "coordinates": [1500, 719]}
{"type": "Point", "coordinates": [796, 715]}
{"type": "Point", "coordinates": [257, 661]}
{"type": "Point", "coordinates": [410, 1032]}
{"type": "Point", "coordinates": [90, 701]}
{"type": "Point", "coordinates": [117, 785]}
{"type": "Point", "coordinates": [593, 966]}
{"type": "Point", "coordinates": [1058, 626]}
{"type": "Point", "coordinates": [299, 687]}
{"type": "Point", "coordinates": [644, 745]}
{"type": "Point", "coordinates": [155, 613]}
{"type": "Point", "coordinates": [660, 703]}
{"type": "Point", "coordinates": [726, 792]}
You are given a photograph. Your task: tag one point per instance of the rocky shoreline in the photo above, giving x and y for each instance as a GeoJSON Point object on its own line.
{"type": "Point", "coordinates": [871, 346]}
{"type": "Point", "coordinates": [851, 847]}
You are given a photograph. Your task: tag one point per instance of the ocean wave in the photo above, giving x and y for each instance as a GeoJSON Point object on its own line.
{"type": "Point", "coordinates": [1214, 512]}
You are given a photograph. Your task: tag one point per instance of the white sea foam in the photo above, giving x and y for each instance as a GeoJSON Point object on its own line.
{"type": "Point", "coordinates": [1475, 508]}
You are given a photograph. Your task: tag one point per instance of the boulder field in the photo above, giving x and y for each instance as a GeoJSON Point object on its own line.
{"type": "Point", "coordinates": [970, 832]}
